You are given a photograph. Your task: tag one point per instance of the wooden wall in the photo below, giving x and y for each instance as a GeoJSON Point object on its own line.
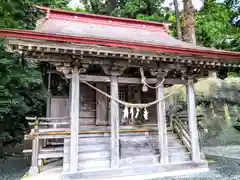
{"type": "Point", "coordinates": [60, 106]}
{"type": "Point", "coordinates": [96, 112]}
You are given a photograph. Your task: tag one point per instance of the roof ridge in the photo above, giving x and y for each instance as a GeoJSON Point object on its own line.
{"type": "Point", "coordinates": [164, 26]}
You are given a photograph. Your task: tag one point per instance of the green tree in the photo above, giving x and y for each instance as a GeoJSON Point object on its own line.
{"type": "Point", "coordinates": [214, 28]}
{"type": "Point", "coordinates": [22, 92]}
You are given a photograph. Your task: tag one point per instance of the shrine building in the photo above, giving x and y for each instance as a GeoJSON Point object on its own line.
{"type": "Point", "coordinates": [114, 119]}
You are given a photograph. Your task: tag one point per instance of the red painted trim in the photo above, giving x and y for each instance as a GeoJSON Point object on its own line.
{"type": "Point", "coordinates": [114, 43]}
{"type": "Point", "coordinates": [100, 19]}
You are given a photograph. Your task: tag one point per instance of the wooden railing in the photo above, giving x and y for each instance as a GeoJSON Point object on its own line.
{"type": "Point", "coordinates": [48, 124]}
{"type": "Point", "coordinates": [183, 132]}
{"type": "Point", "coordinates": [181, 127]}
{"type": "Point", "coordinates": [42, 122]}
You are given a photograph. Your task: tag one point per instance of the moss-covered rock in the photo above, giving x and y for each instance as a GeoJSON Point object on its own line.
{"type": "Point", "coordinates": [219, 103]}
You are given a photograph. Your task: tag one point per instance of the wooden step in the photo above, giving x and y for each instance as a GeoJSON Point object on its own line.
{"type": "Point", "coordinates": [89, 148]}
{"type": "Point", "coordinates": [90, 164]}
{"type": "Point", "coordinates": [106, 139]}
{"type": "Point", "coordinates": [177, 150]}
{"type": "Point", "coordinates": [48, 155]}
{"type": "Point", "coordinates": [89, 156]}
{"type": "Point", "coordinates": [138, 160]}
{"type": "Point", "coordinates": [179, 157]}
{"type": "Point", "coordinates": [138, 172]}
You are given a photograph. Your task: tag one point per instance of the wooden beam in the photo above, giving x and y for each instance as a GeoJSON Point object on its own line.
{"type": "Point", "coordinates": [75, 96]}
{"type": "Point", "coordinates": [54, 134]}
{"type": "Point", "coordinates": [114, 123]}
{"type": "Point", "coordinates": [127, 80]}
{"type": "Point", "coordinates": [162, 126]}
{"type": "Point", "coordinates": [193, 121]}
{"type": "Point", "coordinates": [92, 78]}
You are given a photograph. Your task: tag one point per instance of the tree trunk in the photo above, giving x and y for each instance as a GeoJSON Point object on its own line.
{"type": "Point", "coordinates": [178, 25]}
{"type": "Point", "coordinates": [189, 22]}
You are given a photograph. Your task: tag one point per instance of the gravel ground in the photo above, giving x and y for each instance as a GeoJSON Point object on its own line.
{"type": "Point", "coordinates": [223, 169]}
{"type": "Point", "coordinates": [14, 168]}
{"type": "Point", "coordinates": [229, 151]}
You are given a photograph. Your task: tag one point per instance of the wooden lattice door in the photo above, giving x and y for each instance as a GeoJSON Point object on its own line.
{"type": "Point", "coordinates": [122, 94]}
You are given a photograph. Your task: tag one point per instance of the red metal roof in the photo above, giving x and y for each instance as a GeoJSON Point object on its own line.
{"type": "Point", "coordinates": [104, 20]}
{"type": "Point", "coordinates": [66, 26]}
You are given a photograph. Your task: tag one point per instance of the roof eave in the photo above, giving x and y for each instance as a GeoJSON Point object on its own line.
{"type": "Point", "coordinates": [25, 34]}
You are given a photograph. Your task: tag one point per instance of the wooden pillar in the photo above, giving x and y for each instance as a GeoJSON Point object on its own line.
{"type": "Point", "coordinates": [48, 110]}
{"type": "Point", "coordinates": [192, 118]}
{"type": "Point", "coordinates": [114, 123]}
{"type": "Point", "coordinates": [162, 126]}
{"type": "Point", "coordinates": [34, 169]}
{"type": "Point", "coordinates": [75, 97]}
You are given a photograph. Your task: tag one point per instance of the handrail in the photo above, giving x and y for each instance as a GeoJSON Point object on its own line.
{"type": "Point", "coordinates": [37, 123]}
{"type": "Point", "coordinates": [183, 133]}
{"type": "Point", "coordinates": [49, 123]}
{"type": "Point", "coordinates": [47, 118]}
{"type": "Point", "coordinates": [182, 129]}
{"type": "Point", "coordinates": [186, 131]}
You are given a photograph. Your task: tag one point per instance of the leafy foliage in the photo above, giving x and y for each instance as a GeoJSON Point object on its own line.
{"type": "Point", "coordinates": [21, 83]}
{"type": "Point", "coordinates": [214, 28]}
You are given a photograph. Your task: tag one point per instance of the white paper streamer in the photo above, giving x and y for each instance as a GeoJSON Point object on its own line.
{"type": "Point", "coordinates": [125, 112]}
{"type": "Point", "coordinates": [145, 114]}
{"type": "Point", "coordinates": [132, 113]}
{"type": "Point", "coordinates": [137, 113]}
